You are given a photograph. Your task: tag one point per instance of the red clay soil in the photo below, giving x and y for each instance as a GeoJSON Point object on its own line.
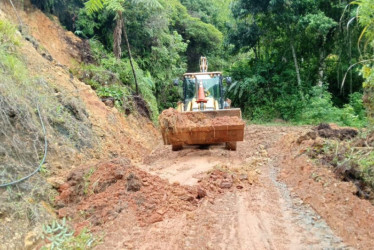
{"type": "Point", "coordinates": [96, 195]}
{"type": "Point", "coordinates": [170, 119]}
{"type": "Point", "coordinates": [135, 208]}
{"type": "Point", "coordinates": [349, 216]}
{"type": "Point", "coordinates": [62, 45]}
{"type": "Point", "coordinates": [116, 185]}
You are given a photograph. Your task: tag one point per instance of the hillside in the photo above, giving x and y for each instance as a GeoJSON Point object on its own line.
{"type": "Point", "coordinates": [81, 129]}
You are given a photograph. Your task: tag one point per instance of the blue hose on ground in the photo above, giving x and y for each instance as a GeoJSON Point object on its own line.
{"type": "Point", "coordinates": [42, 161]}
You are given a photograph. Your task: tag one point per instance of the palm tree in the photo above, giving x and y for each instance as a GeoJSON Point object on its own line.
{"type": "Point", "coordinates": [117, 6]}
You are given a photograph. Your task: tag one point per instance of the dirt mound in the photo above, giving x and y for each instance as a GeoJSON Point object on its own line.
{"type": "Point", "coordinates": [225, 178]}
{"type": "Point", "coordinates": [172, 120]}
{"type": "Point", "coordinates": [332, 131]}
{"type": "Point", "coordinates": [329, 131]}
{"type": "Point", "coordinates": [335, 200]}
{"type": "Point", "coordinates": [101, 192]}
{"type": "Point", "coordinates": [48, 34]}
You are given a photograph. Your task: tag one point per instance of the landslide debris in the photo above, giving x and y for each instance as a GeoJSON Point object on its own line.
{"type": "Point", "coordinates": [172, 120]}
{"type": "Point", "coordinates": [328, 131]}
{"type": "Point", "coordinates": [102, 191]}
{"type": "Point", "coordinates": [96, 195]}
{"type": "Point", "coordinates": [319, 184]}
{"type": "Point", "coordinates": [349, 155]}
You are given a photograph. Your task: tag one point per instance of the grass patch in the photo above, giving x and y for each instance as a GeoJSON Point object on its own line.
{"type": "Point", "coordinates": [59, 235]}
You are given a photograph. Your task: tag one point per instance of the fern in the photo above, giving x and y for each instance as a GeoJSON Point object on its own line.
{"type": "Point", "coordinates": [93, 6]}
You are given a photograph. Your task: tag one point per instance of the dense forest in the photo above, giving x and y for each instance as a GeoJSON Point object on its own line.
{"type": "Point", "coordinates": [302, 61]}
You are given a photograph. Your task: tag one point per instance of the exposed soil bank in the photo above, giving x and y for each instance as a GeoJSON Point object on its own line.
{"type": "Point", "coordinates": [336, 201]}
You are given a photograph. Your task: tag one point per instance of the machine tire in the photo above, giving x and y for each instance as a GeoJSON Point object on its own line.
{"type": "Point", "coordinates": [231, 145]}
{"type": "Point", "coordinates": [176, 147]}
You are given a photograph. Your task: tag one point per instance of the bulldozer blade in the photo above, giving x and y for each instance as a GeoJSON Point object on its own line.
{"type": "Point", "coordinates": [207, 134]}
{"type": "Point", "coordinates": [219, 113]}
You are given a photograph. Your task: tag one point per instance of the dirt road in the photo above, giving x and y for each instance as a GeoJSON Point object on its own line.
{"type": "Point", "coordinates": [262, 215]}
{"type": "Point", "coordinates": [266, 195]}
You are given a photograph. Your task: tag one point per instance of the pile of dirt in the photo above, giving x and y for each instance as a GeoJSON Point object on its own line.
{"type": "Point", "coordinates": [329, 131]}
{"type": "Point", "coordinates": [332, 131]}
{"type": "Point", "coordinates": [172, 120]}
{"type": "Point", "coordinates": [101, 192]}
{"type": "Point", "coordinates": [333, 198]}
{"type": "Point", "coordinates": [340, 155]}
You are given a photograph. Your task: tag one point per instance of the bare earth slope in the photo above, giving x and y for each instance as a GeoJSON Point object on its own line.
{"type": "Point", "coordinates": [83, 129]}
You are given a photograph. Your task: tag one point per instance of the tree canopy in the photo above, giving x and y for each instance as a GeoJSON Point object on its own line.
{"type": "Point", "coordinates": [294, 60]}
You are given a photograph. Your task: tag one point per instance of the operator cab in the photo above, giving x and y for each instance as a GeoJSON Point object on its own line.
{"type": "Point", "coordinates": [213, 91]}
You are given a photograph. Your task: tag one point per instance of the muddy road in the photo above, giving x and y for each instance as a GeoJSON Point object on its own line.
{"type": "Point", "coordinates": [262, 196]}
{"type": "Point", "coordinates": [262, 215]}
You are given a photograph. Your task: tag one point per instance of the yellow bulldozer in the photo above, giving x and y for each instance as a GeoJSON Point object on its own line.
{"type": "Point", "coordinates": [203, 117]}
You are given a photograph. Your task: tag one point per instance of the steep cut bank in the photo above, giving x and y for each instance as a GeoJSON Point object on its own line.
{"type": "Point", "coordinates": [81, 129]}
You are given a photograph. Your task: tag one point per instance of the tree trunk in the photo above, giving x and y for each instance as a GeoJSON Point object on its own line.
{"type": "Point", "coordinates": [296, 69]}
{"type": "Point", "coordinates": [321, 67]}
{"type": "Point", "coordinates": [130, 56]}
{"type": "Point", "coordinates": [117, 36]}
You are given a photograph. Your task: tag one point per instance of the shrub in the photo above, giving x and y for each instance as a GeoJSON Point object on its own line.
{"type": "Point", "coordinates": [319, 108]}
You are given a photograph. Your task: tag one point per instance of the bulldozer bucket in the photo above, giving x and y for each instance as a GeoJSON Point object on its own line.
{"type": "Point", "coordinates": [219, 126]}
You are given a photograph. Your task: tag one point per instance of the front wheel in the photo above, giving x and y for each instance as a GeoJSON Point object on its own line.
{"type": "Point", "coordinates": [231, 145]}
{"type": "Point", "coordinates": [176, 147]}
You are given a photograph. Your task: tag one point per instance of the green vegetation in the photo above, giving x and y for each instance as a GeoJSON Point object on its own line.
{"type": "Point", "coordinates": [61, 236]}
{"type": "Point", "coordinates": [296, 59]}
{"type": "Point", "coordinates": [300, 61]}
{"type": "Point", "coordinates": [366, 41]}
{"type": "Point", "coordinates": [352, 161]}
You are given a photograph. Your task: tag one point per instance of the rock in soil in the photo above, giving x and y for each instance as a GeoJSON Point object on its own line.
{"type": "Point", "coordinates": [133, 183]}
{"type": "Point", "coordinates": [201, 193]}
{"type": "Point", "coordinates": [155, 218]}
{"type": "Point", "coordinates": [31, 240]}
{"type": "Point", "coordinates": [226, 183]}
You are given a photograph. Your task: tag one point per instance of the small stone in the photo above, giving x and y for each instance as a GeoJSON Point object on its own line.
{"type": "Point", "coordinates": [31, 240]}
{"type": "Point", "coordinates": [56, 182]}
{"type": "Point", "coordinates": [133, 183]}
{"type": "Point", "coordinates": [118, 174]}
{"type": "Point", "coordinates": [63, 212]}
{"type": "Point", "coordinates": [201, 193]}
{"type": "Point", "coordinates": [187, 198]}
{"type": "Point", "coordinates": [226, 183]}
{"type": "Point", "coordinates": [155, 218]}
{"type": "Point", "coordinates": [243, 177]}
{"type": "Point", "coordinates": [161, 211]}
